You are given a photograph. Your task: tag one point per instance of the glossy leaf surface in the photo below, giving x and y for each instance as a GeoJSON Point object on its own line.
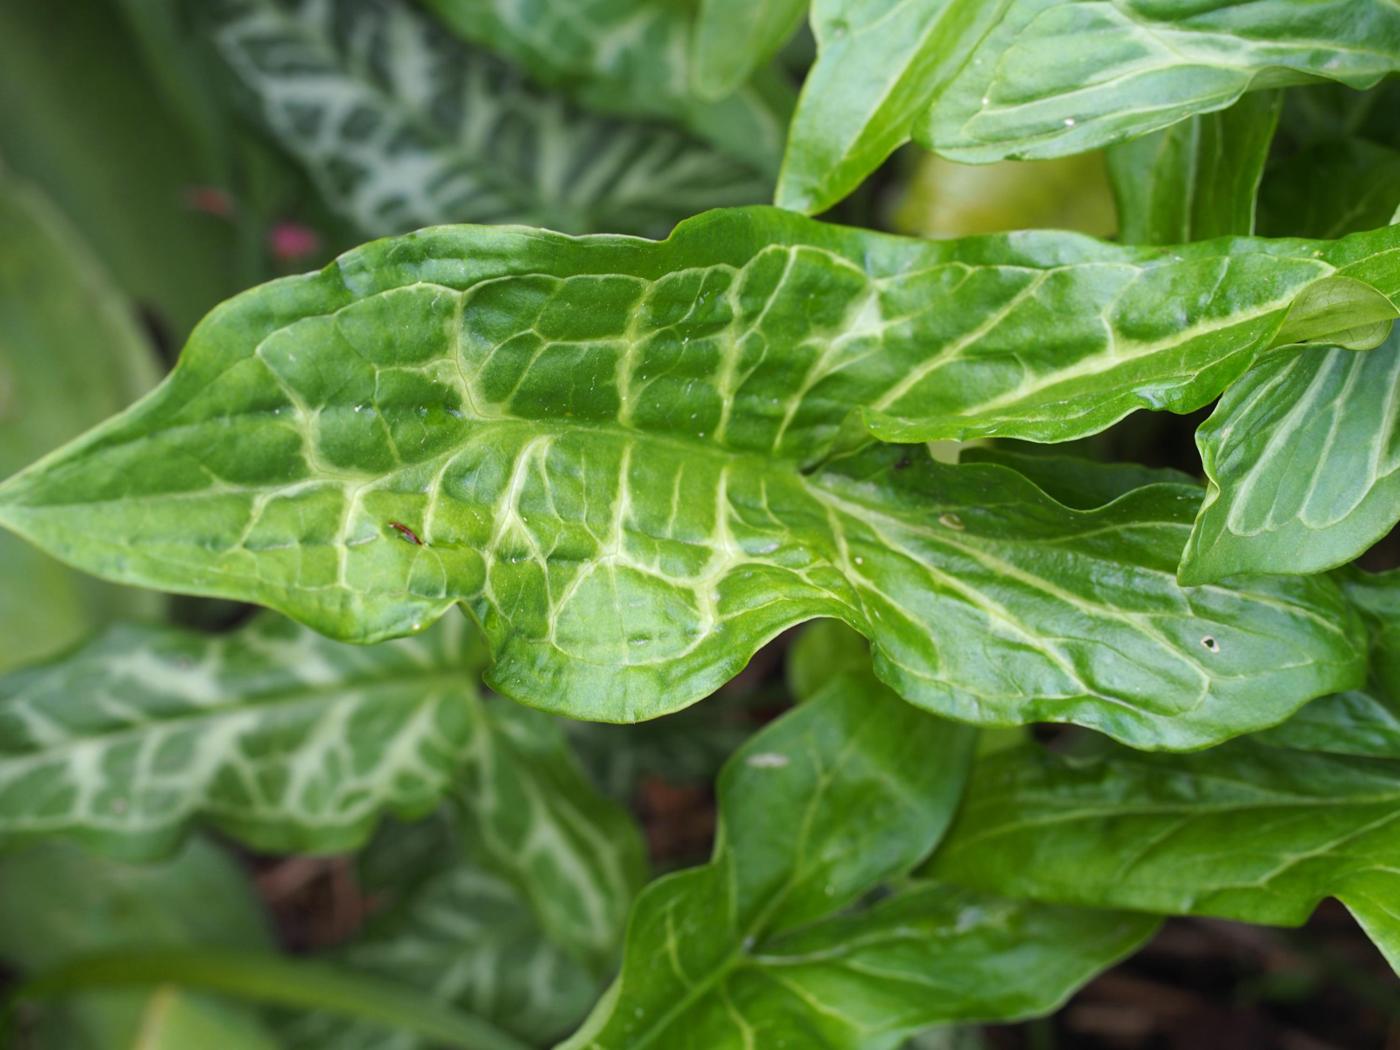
{"type": "Point", "coordinates": [70, 355]}
{"type": "Point", "coordinates": [1302, 456]}
{"type": "Point", "coordinates": [1053, 77]}
{"type": "Point", "coordinates": [631, 57]}
{"type": "Point", "coordinates": [840, 794]}
{"type": "Point", "coordinates": [1198, 178]}
{"type": "Point", "coordinates": [618, 496]}
{"type": "Point", "coordinates": [401, 126]}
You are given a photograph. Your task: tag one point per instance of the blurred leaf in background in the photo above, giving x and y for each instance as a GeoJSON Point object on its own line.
{"type": "Point", "coordinates": [70, 355]}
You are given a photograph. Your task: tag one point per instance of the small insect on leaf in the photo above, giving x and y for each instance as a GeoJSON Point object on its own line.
{"type": "Point", "coordinates": [407, 533]}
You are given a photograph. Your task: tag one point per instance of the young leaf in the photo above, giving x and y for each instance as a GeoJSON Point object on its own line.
{"type": "Point", "coordinates": [733, 38]}
{"type": "Point", "coordinates": [630, 57]}
{"type": "Point", "coordinates": [854, 787]}
{"type": "Point", "coordinates": [1242, 831]}
{"type": "Point", "coordinates": [1198, 178]}
{"type": "Point", "coordinates": [400, 127]}
{"type": "Point", "coordinates": [280, 737]}
{"type": "Point", "coordinates": [70, 355]}
{"type": "Point", "coordinates": [1053, 77]}
{"type": "Point", "coordinates": [618, 493]}
{"type": "Point", "coordinates": [1302, 456]}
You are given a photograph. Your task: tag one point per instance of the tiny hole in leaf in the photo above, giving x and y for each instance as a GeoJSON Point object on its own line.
{"type": "Point", "coordinates": [1210, 643]}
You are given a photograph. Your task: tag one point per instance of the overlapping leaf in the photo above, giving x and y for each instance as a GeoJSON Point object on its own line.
{"type": "Point", "coordinates": [281, 737]}
{"type": "Point", "coordinates": [981, 81]}
{"type": "Point", "coordinates": [1256, 829]}
{"type": "Point", "coordinates": [846, 791]}
{"type": "Point", "coordinates": [617, 492]}
{"type": "Point", "coordinates": [733, 38]}
{"type": "Point", "coordinates": [1196, 179]}
{"type": "Point", "coordinates": [400, 126]}
{"type": "Point", "coordinates": [631, 57]}
{"type": "Point", "coordinates": [70, 355]}
{"type": "Point", "coordinates": [1303, 460]}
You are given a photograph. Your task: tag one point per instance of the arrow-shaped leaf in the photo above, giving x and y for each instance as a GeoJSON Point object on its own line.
{"type": "Point", "coordinates": [598, 445]}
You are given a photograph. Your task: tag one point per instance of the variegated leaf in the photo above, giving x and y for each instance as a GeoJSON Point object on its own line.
{"type": "Point", "coordinates": [632, 497]}
{"type": "Point", "coordinates": [401, 126]}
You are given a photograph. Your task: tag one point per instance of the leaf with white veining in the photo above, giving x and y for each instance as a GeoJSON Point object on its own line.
{"type": "Point", "coordinates": [631, 57]}
{"type": "Point", "coordinates": [1302, 456]}
{"type": "Point", "coordinates": [619, 494]}
{"type": "Point", "coordinates": [401, 126]}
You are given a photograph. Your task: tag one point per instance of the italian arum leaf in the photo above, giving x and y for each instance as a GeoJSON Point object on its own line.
{"type": "Point", "coordinates": [622, 456]}
{"type": "Point", "coordinates": [1198, 178]}
{"type": "Point", "coordinates": [631, 57]}
{"type": "Point", "coordinates": [733, 38]}
{"type": "Point", "coordinates": [1377, 595]}
{"type": "Point", "coordinates": [844, 792]}
{"type": "Point", "coordinates": [1302, 456]}
{"type": "Point", "coordinates": [1332, 189]}
{"type": "Point", "coordinates": [400, 126]}
{"type": "Point", "coordinates": [70, 355]}
{"type": "Point", "coordinates": [1080, 483]}
{"type": "Point", "coordinates": [1054, 77]}
{"type": "Point", "coordinates": [274, 734]}
{"type": "Point", "coordinates": [1248, 830]}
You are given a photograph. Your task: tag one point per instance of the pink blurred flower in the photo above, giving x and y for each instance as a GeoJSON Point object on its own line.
{"type": "Point", "coordinates": [291, 241]}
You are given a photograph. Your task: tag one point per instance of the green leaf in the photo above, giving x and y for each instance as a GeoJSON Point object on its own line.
{"type": "Point", "coordinates": [81, 117]}
{"type": "Point", "coordinates": [1351, 723]}
{"type": "Point", "coordinates": [631, 57]}
{"type": "Point", "coordinates": [1198, 178]}
{"type": "Point", "coordinates": [61, 903]}
{"type": "Point", "coordinates": [468, 938]}
{"type": "Point", "coordinates": [529, 814]}
{"type": "Point", "coordinates": [70, 355]}
{"type": "Point", "coordinates": [400, 126]}
{"type": "Point", "coordinates": [733, 38]}
{"type": "Point", "coordinates": [618, 494]}
{"type": "Point", "coordinates": [1242, 831]}
{"type": "Point", "coordinates": [274, 734]}
{"type": "Point", "coordinates": [848, 790]}
{"type": "Point", "coordinates": [878, 64]}
{"type": "Point", "coordinates": [1302, 456]}
{"type": "Point", "coordinates": [1377, 595]}
{"type": "Point", "coordinates": [823, 651]}
{"type": "Point", "coordinates": [1332, 189]}
{"type": "Point", "coordinates": [1054, 77]}
{"type": "Point", "coordinates": [263, 977]}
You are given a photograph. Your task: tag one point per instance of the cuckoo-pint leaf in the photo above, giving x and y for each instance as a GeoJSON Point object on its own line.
{"type": "Point", "coordinates": [624, 457]}
{"type": "Point", "coordinates": [401, 126]}
{"type": "Point", "coordinates": [839, 795]}
{"type": "Point", "coordinates": [1302, 456]}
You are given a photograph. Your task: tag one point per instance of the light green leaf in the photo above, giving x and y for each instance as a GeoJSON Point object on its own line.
{"type": "Point", "coordinates": [1198, 178]}
{"type": "Point", "coordinates": [61, 903]}
{"type": "Point", "coordinates": [70, 355]}
{"type": "Point", "coordinates": [878, 64]}
{"type": "Point", "coordinates": [1242, 831]}
{"type": "Point", "coordinates": [618, 493]}
{"type": "Point", "coordinates": [80, 117]}
{"type": "Point", "coordinates": [400, 126]}
{"type": "Point", "coordinates": [1302, 456]}
{"type": "Point", "coordinates": [1054, 77]}
{"type": "Point", "coordinates": [733, 38]}
{"type": "Point", "coordinates": [846, 791]}
{"type": "Point", "coordinates": [631, 57]}
{"type": "Point", "coordinates": [274, 734]}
